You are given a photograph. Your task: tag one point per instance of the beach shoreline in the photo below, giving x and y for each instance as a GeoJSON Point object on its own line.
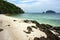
{"type": "Point", "coordinates": [16, 29]}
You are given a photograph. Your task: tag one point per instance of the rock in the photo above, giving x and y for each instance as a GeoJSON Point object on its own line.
{"type": "Point", "coordinates": [14, 20]}
{"type": "Point", "coordinates": [1, 29]}
{"type": "Point", "coordinates": [34, 27]}
{"type": "Point", "coordinates": [56, 28]}
{"type": "Point", "coordinates": [36, 38]}
{"type": "Point", "coordinates": [26, 21]}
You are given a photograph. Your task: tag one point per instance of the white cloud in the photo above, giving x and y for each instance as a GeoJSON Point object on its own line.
{"type": "Point", "coordinates": [11, 0]}
{"type": "Point", "coordinates": [38, 5]}
{"type": "Point", "coordinates": [23, 1]}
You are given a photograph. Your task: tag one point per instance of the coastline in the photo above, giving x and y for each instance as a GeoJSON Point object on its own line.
{"type": "Point", "coordinates": [51, 19]}
{"type": "Point", "coordinates": [13, 29]}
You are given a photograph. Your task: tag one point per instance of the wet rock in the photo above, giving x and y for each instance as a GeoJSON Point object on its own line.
{"type": "Point", "coordinates": [26, 21]}
{"type": "Point", "coordinates": [46, 26]}
{"type": "Point", "coordinates": [29, 30]}
{"type": "Point", "coordinates": [42, 38]}
{"type": "Point", "coordinates": [43, 26]}
{"type": "Point", "coordinates": [37, 24]}
{"type": "Point", "coordinates": [34, 27]}
{"type": "Point", "coordinates": [49, 26]}
{"type": "Point", "coordinates": [56, 28]}
{"type": "Point", "coordinates": [36, 38]}
{"type": "Point", "coordinates": [46, 29]}
{"type": "Point", "coordinates": [50, 35]}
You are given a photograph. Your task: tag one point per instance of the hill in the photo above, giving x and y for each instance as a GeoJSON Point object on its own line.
{"type": "Point", "coordinates": [9, 8]}
{"type": "Point", "coordinates": [50, 11]}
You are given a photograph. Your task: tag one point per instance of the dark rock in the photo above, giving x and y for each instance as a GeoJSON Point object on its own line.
{"type": "Point", "coordinates": [43, 26]}
{"type": "Point", "coordinates": [1, 29]}
{"type": "Point", "coordinates": [56, 28]}
{"type": "Point", "coordinates": [50, 35]}
{"type": "Point", "coordinates": [8, 25]}
{"type": "Point", "coordinates": [37, 24]}
{"type": "Point", "coordinates": [49, 26]}
{"type": "Point", "coordinates": [29, 29]}
{"type": "Point", "coordinates": [42, 38]}
{"type": "Point", "coordinates": [26, 21]}
{"type": "Point", "coordinates": [34, 27]}
{"type": "Point", "coordinates": [36, 38]}
{"type": "Point", "coordinates": [46, 29]}
{"type": "Point", "coordinates": [27, 32]}
{"type": "Point", "coordinates": [46, 26]}
{"type": "Point", "coordinates": [34, 22]}
{"type": "Point", "coordinates": [14, 20]}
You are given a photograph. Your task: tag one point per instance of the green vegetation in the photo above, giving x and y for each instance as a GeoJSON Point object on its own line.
{"type": "Point", "coordinates": [9, 8]}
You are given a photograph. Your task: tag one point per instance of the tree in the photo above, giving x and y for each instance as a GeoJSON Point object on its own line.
{"type": "Point", "coordinates": [6, 7]}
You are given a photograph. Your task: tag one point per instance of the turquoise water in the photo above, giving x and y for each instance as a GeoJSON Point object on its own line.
{"type": "Point", "coordinates": [52, 19]}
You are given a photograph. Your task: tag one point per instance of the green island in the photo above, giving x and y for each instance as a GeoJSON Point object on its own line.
{"type": "Point", "coordinates": [9, 8]}
{"type": "Point", "coordinates": [50, 11]}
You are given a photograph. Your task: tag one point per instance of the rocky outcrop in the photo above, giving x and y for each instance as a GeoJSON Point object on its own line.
{"type": "Point", "coordinates": [19, 29]}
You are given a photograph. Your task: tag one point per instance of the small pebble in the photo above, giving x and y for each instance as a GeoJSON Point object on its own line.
{"type": "Point", "coordinates": [14, 20]}
{"type": "Point", "coordinates": [8, 25]}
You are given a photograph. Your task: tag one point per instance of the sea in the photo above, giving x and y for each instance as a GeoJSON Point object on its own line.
{"type": "Point", "coordinates": [43, 18]}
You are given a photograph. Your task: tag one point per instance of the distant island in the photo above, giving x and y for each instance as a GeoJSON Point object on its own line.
{"type": "Point", "coordinates": [50, 11]}
{"type": "Point", "coordinates": [9, 8]}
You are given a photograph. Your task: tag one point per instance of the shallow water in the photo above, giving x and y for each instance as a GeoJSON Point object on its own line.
{"type": "Point", "coordinates": [45, 18]}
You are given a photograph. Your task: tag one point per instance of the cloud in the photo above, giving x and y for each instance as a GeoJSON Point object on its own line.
{"type": "Point", "coordinates": [11, 0]}
{"type": "Point", "coordinates": [24, 1]}
{"type": "Point", "coordinates": [37, 5]}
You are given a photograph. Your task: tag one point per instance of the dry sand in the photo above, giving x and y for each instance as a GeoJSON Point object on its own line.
{"type": "Point", "coordinates": [13, 29]}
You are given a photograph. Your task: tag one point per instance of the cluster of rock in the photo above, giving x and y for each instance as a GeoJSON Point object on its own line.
{"type": "Point", "coordinates": [46, 28]}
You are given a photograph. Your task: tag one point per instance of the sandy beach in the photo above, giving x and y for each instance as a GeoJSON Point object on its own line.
{"type": "Point", "coordinates": [16, 29]}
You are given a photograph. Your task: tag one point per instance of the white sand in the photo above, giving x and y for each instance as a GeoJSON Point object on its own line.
{"type": "Point", "coordinates": [16, 29]}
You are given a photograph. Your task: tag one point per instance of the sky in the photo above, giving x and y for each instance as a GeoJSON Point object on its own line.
{"type": "Point", "coordinates": [37, 5]}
